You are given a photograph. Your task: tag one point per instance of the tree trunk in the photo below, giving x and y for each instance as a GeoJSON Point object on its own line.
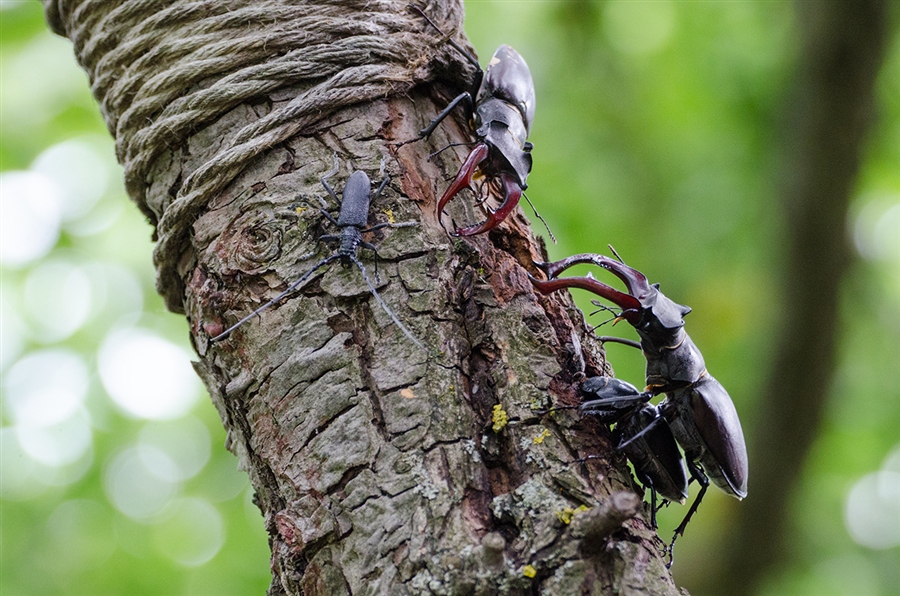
{"type": "Point", "coordinates": [380, 468]}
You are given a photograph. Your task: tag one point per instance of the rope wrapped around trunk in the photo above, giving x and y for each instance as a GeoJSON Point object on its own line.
{"type": "Point", "coordinates": [164, 69]}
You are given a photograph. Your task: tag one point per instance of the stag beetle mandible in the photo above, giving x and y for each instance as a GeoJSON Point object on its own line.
{"type": "Point", "coordinates": [501, 114]}
{"type": "Point", "coordinates": [698, 409]}
{"type": "Point", "coordinates": [351, 222]}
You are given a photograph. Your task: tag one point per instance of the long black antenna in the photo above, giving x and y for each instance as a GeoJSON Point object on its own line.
{"type": "Point", "coordinates": [278, 298]}
{"type": "Point", "coordinates": [383, 304]}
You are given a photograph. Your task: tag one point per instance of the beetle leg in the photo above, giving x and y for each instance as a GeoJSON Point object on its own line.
{"type": "Point", "coordinates": [643, 431]}
{"type": "Point", "coordinates": [698, 475]}
{"type": "Point", "coordinates": [464, 176]}
{"type": "Point", "coordinates": [374, 249]}
{"type": "Point", "coordinates": [512, 191]}
{"type": "Point", "coordinates": [448, 146]}
{"type": "Point", "coordinates": [653, 507]}
{"type": "Point", "coordinates": [468, 56]}
{"type": "Point", "coordinates": [464, 96]}
{"type": "Point", "coordinates": [330, 218]}
{"type": "Point", "coordinates": [610, 404]}
{"type": "Point", "coordinates": [619, 340]}
{"type": "Point", "coordinates": [384, 182]}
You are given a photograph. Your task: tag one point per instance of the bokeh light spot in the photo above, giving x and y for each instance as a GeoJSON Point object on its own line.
{"type": "Point", "coordinates": [45, 388]}
{"type": "Point", "coordinates": [185, 441]}
{"type": "Point", "coordinates": [222, 480]}
{"type": "Point", "coordinates": [872, 511]}
{"type": "Point", "coordinates": [147, 376]}
{"type": "Point", "coordinates": [12, 329]}
{"type": "Point", "coordinates": [58, 445]}
{"type": "Point", "coordinates": [31, 207]}
{"type": "Point", "coordinates": [38, 82]}
{"type": "Point", "coordinates": [17, 478]}
{"type": "Point", "coordinates": [875, 229]}
{"type": "Point", "coordinates": [79, 170]}
{"type": "Point", "coordinates": [892, 460]}
{"type": "Point", "coordinates": [137, 482]}
{"type": "Point", "coordinates": [192, 533]}
{"type": "Point", "coordinates": [116, 292]}
{"type": "Point", "coordinates": [57, 300]}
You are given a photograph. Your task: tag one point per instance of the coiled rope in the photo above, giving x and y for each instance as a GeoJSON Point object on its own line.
{"type": "Point", "coordinates": [164, 69]}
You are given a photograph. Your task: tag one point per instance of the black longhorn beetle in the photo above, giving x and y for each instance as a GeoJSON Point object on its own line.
{"type": "Point", "coordinates": [500, 105]}
{"type": "Point", "coordinates": [351, 222]}
{"type": "Point", "coordinates": [697, 408]}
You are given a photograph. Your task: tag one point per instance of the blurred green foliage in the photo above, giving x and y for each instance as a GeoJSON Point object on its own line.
{"type": "Point", "coordinates": [656, 131]}
{"type": "Point", "coordinates": [62, 532]}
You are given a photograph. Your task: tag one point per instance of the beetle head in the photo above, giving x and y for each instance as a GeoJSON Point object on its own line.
{"type": "Point", "coordinates": [644, 306]}
{"type": "Point", "coordinates": [658, 312]}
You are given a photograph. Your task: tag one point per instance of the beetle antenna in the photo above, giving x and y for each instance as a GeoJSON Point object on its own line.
{"type": "Point", "coordinates": [603, 308]}
{"type": "Point", "coordinates": [383, 304]}
{"type": "Point", "coordinates": [540, 217]}
{"type": "Point", "coordinates": [324, 181]}
{"type": "Point", "coordinates": [276, 299]}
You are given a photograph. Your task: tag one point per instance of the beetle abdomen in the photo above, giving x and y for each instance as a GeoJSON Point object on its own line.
{"type": "Point", "coordinates": [355, 202]}
{"type": "Point", "coordinates": [507, 77]}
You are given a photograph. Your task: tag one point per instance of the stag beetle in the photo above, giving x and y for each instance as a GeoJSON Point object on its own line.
{"type": "Point", "coordinates": [649, 445]}
{"type": "Point", "coordinates": [501, 114]}
{"type": "Point", "coordinates": [351, 222]}
{"type": "Point", "coordinates": [697, 408]}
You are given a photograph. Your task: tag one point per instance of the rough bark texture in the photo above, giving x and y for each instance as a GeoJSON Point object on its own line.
{"type": "Point", "coordinates": [376, 465]}
{"type": "Point", "coordinates": [828, 113]}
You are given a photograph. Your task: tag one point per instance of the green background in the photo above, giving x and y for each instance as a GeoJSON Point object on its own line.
{"type": "Point", "coordinates": [656, 131]}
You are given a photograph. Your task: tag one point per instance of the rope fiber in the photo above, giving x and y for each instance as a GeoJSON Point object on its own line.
{"type": "Point", "coordinates": [163, 69]}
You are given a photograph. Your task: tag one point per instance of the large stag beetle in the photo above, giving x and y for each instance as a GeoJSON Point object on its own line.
{"type": "Point", "coordinates": [500, 105]}
{"type": "Point", "coordinates": [697, 408]}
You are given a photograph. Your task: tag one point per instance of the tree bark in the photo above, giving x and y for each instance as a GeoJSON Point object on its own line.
{"type": "Point", "coordinates": [381, 468]}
